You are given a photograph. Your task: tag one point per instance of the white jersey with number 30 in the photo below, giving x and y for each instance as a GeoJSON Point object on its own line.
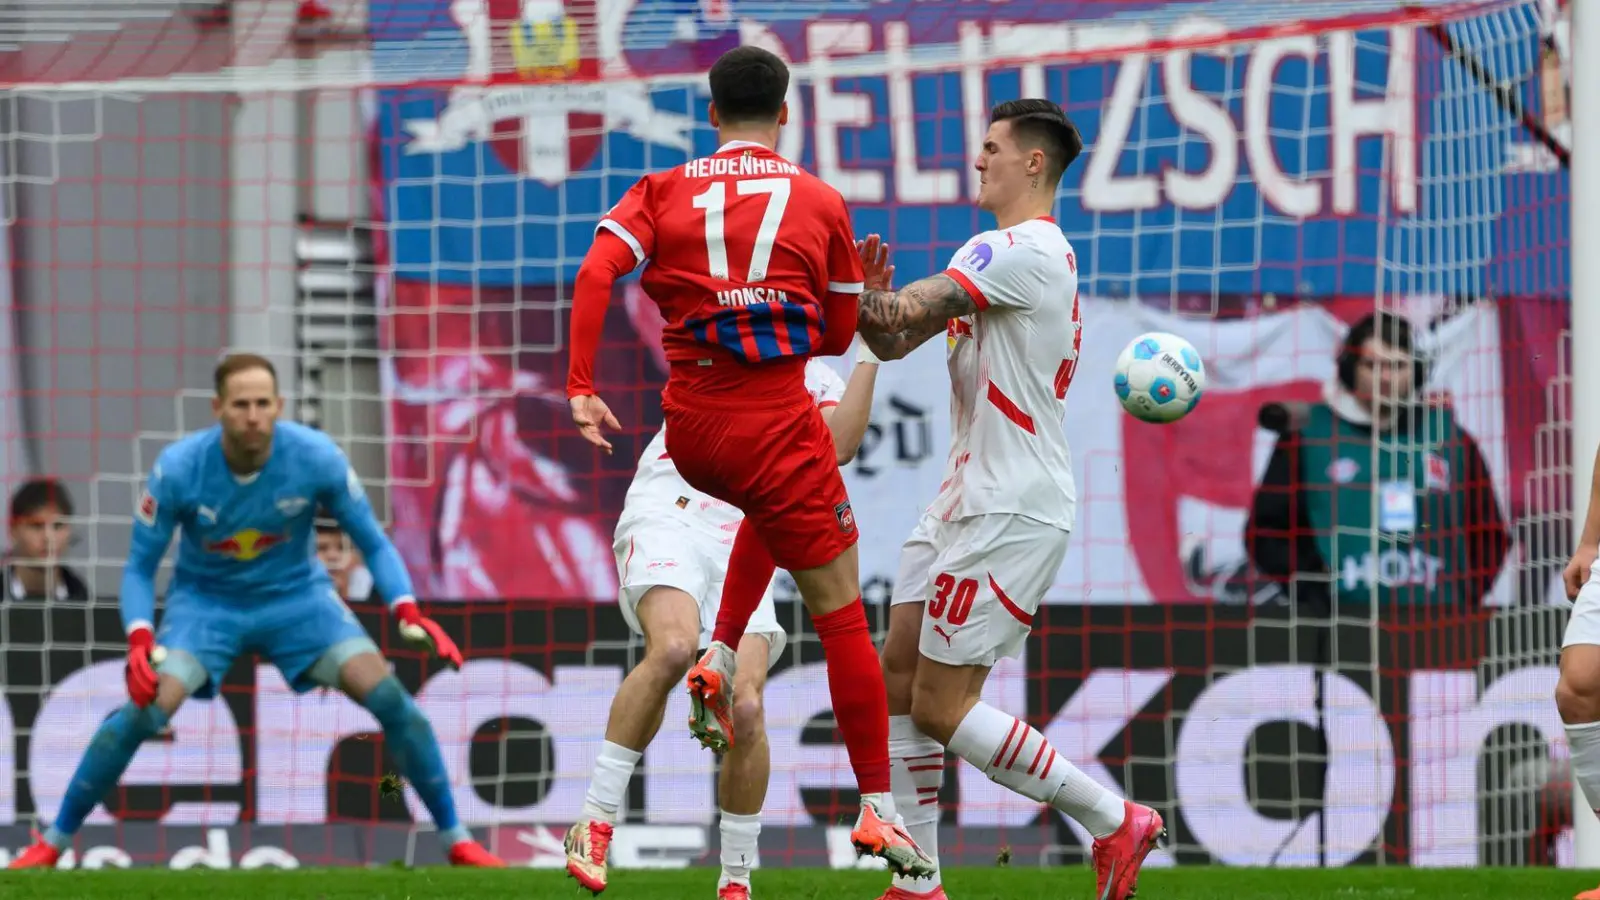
{"type": "Point", "coordinates": [1010, 365]}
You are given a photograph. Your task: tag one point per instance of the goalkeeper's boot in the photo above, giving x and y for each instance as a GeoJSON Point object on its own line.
{"type": "Point", "coordinates": [40, 855]}
{"type": "Point", "coordinates": [473, 855]}
{"type": "Point", "coordinates": [733, 890]}
{"type": "Point", "coordinates": [1117, 858]}
{"type": "Point", "coordinates": [587, 845]}
{"type": "Point", "coordinates": [711, 698]}
{"type": "Point", "coordinates": [899, 893]}
{"type": "Point", "coordinates": [888, 841]}
{"type": "Point", "coordinates": [1589, 895]}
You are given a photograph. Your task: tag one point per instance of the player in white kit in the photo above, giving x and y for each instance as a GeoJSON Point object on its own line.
{"type": "Point", "coordinates": [973, 573]}
{"type": "Point", "coordinates": [1578, 690]}
{"type": "Point", "coordinates": [672, 546]}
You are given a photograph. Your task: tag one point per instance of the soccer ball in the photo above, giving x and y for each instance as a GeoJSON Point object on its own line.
{"type": "Point", "coordinates": [1159, 377]}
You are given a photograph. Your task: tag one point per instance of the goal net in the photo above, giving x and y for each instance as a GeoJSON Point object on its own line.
{"type": "Point", "coordinates": [1308, 638]}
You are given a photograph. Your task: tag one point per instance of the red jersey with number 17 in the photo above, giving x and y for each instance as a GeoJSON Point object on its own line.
{"type": "Point", "coordinates": [742, 248]}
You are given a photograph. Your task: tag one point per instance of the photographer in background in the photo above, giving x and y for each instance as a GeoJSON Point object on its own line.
{"type": "Point", "coordinates": [1423, 529]}
{"type": "Point", "coordinates": [39, 533]}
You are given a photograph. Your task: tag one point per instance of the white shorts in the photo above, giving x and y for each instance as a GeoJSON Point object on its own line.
{"type": "Point", "coordinates": [1583, 626]}
{"type": "Point", "coordinates": [666, 553]}
{"type": "Point", "coordinates": [981, 580]}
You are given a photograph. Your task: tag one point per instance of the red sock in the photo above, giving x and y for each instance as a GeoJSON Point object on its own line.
{"type": "Point", "coordinates": [860, 702]}
{"type": "Point", "coordinates": [750, 569]}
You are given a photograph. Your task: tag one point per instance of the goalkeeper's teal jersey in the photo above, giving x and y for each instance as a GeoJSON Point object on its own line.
{"type": "Point", "coordinates": [243, 537]}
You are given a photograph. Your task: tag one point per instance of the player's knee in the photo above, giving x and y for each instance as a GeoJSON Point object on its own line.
{"type": "Point", "coordinates": [933, 717]}
{"type": "Point", "coordinates": [899, 666]}
{"type": "Point", "coordinates": [1578, 698]}
{"type": "Point", "coordinates": [392, 706]}
{"type": "Point", "coordinates": [672, 655]}
{"type": "Point", "coordinates": [749, 715]}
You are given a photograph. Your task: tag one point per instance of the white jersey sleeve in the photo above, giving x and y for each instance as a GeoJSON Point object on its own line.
{"type": "Point", "coordinates": [823, 384]}
{"type": "Point", "coordinates": [1001, 269]}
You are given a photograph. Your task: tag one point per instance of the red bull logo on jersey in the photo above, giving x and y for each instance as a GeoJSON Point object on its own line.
{"type": "Point", "coordinates": [246, 545]}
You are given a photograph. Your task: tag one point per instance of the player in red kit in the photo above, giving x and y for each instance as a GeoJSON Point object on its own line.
{"type": "Point", "coordinates": [754, 264]}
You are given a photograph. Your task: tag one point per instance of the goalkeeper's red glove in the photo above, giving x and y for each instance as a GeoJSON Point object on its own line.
{"type": "Point", "coordinates": [140, 673]}
{"type": "Point", "coordinates": [423, 632]}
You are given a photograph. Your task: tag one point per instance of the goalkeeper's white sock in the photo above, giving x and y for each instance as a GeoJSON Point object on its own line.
{"type": "Point", "coordinates": [1584, 741]}
{"type": "Point", "coordinates": [916, 772]}
{"type": "Point", "coordinates": [608, 784]}
{"type": "Point", "coordinates": [740, 836]}
{"type": "Point", "coordinates": [1017, 756]}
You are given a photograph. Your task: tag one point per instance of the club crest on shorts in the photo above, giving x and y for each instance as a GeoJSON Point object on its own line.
{"type": "Point", "coordinates": [846, 517]}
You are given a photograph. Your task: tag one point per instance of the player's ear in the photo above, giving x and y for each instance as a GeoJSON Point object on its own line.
{"type": "Point", "coordinates": [783, 113]}
{"type": "Point", "coordinates": [711, 115]}
{"type": "Point", "coordinates": [216, 406]}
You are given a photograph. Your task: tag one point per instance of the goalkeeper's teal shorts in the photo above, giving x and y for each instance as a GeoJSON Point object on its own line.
{"type": "Point", "coordinates": [308, 635]}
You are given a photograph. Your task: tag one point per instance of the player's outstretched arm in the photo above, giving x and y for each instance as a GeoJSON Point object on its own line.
{"type": "Point", "coordinates": [922, 307]}
{"type": "Point", "coordinates": [894, 323]}
{"type": "Point", "coordinates": [847, 418]}
{"type": "Point", "coordinates": [609, 259]}
{"type": "Point", "coordinates": [344, 496]}
{"type": "Point", "coordinates": [154, 519]}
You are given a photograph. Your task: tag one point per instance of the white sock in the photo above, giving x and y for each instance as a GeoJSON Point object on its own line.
{"type": "Point", "coordinates": [608, 783]}
{"type": "Point", "coordinates": [884, 804]}
{"type": "Point", "coordinates": [740, 835]}
{"type": "Point", "coordinates": [916, 772]}
{"type": "Point", "coordinates": [1584, 741]}
{"type": "Point", "coordinates": [1017, 756]}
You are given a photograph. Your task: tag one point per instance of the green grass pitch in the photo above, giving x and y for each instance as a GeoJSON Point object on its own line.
{"type": "Point", "coordinates": [1073, 883]}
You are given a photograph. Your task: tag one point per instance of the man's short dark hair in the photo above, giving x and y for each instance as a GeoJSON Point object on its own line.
{"type": "Point", "coordinates": [1389, 329]}
{"type": "Point", "coordinates": [234, 363]}
{"type": "Point", "coordinates": [748, 86]}
{"type": "Point", "coordinates": [1041, 125]}
{"type": "Point", "coordinates": [40, 493]}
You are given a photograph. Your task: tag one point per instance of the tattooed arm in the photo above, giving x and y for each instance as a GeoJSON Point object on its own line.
{"type": "Point", "coordinates": [893, 323]}
{"type": "Point", "coordinates": [889, 347]}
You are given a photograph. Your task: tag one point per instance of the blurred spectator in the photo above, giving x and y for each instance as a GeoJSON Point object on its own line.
{"type": "Point", "coordinates": [39, 533]}
{"type": "Point", "coordinates": [350, 575]}
{"type": "Point", "coordinates": [1413, 518]}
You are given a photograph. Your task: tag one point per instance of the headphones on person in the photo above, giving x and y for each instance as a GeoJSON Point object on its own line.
{"type": "Point", "coordinates": [1390, 329]}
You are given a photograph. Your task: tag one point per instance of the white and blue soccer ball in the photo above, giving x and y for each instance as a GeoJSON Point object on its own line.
{"type": "Point", "coordinates": [1159, 378]}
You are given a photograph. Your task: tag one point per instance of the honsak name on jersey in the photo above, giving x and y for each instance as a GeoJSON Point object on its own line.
{"type": "Point", "coordinates": [743, 246]}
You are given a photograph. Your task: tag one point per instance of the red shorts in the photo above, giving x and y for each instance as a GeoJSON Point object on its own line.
{"type": "Point", "coordinates": [778, 465]}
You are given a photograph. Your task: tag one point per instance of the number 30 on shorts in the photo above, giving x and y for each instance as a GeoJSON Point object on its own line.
{"type": "Point", "coordinates": [952, 599]}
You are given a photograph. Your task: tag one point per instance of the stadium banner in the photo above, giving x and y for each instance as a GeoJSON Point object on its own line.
{"type": "Point", "coordinates": [1232, 184]}
{"type": "Point", "coordinates": [1195, 710]}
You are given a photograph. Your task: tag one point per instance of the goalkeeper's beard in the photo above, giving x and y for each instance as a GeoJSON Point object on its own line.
{"type": "Point", "coordinates": [243, 459]}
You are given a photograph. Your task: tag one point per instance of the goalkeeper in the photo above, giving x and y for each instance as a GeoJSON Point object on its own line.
{"type": "Point", "coordinates": [245, 493]}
